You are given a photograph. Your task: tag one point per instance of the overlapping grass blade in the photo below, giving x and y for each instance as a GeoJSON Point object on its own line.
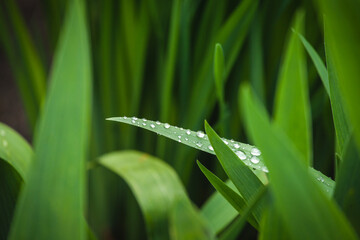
{"type": "Point", "coordinates": [55, 191]}
{"type": "Point", "coordinates": [272, 226]}
{"type": "Point", "coordinates": [347, 191]}
{"type": "Point", "coordinates": [15, 150]}
{"type": "Point", "coordinates": [230, 195]}
{"type": "Point", "coordinates": [218, 211]}
{"type": "Point", "coordinates": [292, 106]}
{"type": "Point", "coordinates": [155, 185]}
{"type": "Point", "coordinates": [308, 213]}
{"type": "Point", "coordinates": [243, 178]}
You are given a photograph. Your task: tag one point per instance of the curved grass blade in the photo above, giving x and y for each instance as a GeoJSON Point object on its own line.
{"type": "Point", "coordinates": [198, 140]}
{"type": "Point", "coordinates": [230, 195]}
{"type": "Point", "coordinates": [155, 185]}
{"type": "Point", "coordinates": [308, 213]}
{"type": "Point", "coordinates": [15, 150]}
{"type": "Point", "coordinates": [218, 211]}
{"type": "Point", "coordinates": [292, 104]}
{"type": "Point", "coordinates": [55, 191]}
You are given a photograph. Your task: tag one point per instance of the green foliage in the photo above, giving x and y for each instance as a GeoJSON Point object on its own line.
{"type": "Point", "coordinates": [181, 62]}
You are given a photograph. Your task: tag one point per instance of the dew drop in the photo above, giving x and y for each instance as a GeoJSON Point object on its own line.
{"type": "Point", "coordinates": [255, 160]}
{"type": "Point", "coordinates": [152, 125]}
{"type": "Point", "coordinates": [166, 125]}
{"type": "Point", "coordinates": [255, 152]}
{"type": "Point", "coordinates": [241, 155]}
{"type": "Point", "coordinates": [265, 169]}
{"type": "Point", "coordinates": [134, 118]}
{"type": "Point", "coordinates": [188, 132]}
{"type": "Point", "coordinates": [236, 146]}
{"type": "Point", "coordinates": [231, 140]}
{"type": "Point", "coordinates": [5, 143]}
{"type": "Point", "coordinates": [186, 139]}
{"type": "Point", "coordinates": [200, 134]}
{"type": "Point", "coordinates": [144, 124]}
{"type": "Point", "coordinates": [133, 121]}
{"type": "Point", "coordinates": [199, 145]}
{"type": "Point", "coordinates": [158, 123]}
{"type": "Point", "coordinates": [144, 119]}
{"type": "Point", "coordinates": [125, 117]}
{"type": "Point", "coordinates": [179, 141]}
{"type": "Point", "coordinates": [179, 136]}
{"type": "Point", "coordinates": [226, 142]}
{"type": "Point", "coordinates": [210, 148]}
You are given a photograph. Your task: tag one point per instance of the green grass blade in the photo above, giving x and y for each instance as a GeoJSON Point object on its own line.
{"type": "Point", "coordinates": [340, 30]}
{"type": "Point", "coordinates": [15, 150]}
{"type": "Point", "coordinates": [230, 195]}
{"type": "Point", "coordinates": [319, 64]}
{"type": "Point", "coordinates": [218, 211]}
{"type": "Point", "coordinates": [187, 223]}
{"type": "Point", "coordinates": [155, 185]}
{"type": "Point", "coordinates": [292, 105]}
{"type": "Point", "coordinates": [219, 71]}
{"type": "Point", "coordinates": [272, 225]}
{"type": "Point", "coordinates": [347, 191]}
{"type": "Point", "coordinates": [198, 140]}
{"type": "Point", "coordinates": [55, 192]}
{"type": "Point", "coordinates": [308, 213]}
{"type": "Point", "coordinates": [243, 178]}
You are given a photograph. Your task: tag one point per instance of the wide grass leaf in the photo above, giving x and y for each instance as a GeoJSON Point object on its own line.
{"type": "Point", "coordinates": [306, 210]}
{"type": "Point", "coordinates": [292, 106]}
{"type": "Point", "coordinates": [157, 189]}
{"type": "Point", "coordinates": [51, 205]}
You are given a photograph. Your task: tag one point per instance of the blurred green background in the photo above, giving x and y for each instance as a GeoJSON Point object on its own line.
{"type": "Point", "coordinates": [154, 59]}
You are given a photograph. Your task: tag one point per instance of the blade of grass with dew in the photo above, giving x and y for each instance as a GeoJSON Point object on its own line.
{"type": "Point", "coordinates": [199, 140]}
{"type": "Point", "coordinates": [15, 150]}
{"type": "Point", "coordinates": [347, 191]}
{"type": "Point", "coordinates": [243, 178]}
{"type": "Point", "coordinates": [236, 227]}
{"type": "Point", "coordinates": [318, 63]}
{"type": "Point", "coordinates": [308, 213]}
{"type": "Point", "coordinates": [55, 190]}
{"type": "Point", "coordinates": [292, 105]}
{"type": "Point", "coordinates": [146, 175]}
{"type": "Point", "coordinates": [342, 38]}
{"type": "Point", "coordinates": [180, 226]}
{"type": "Point", "coordinates": [15, 158]}
{"type": "Point", "coordinates": [218, 211]}
{"type": "Point", "coordinates": [230, 195]}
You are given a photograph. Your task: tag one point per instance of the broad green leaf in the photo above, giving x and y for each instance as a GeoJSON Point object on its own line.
{"type": "Point", "coordinates": [218, 211]}
{"type": "Point", "coordinates": [55, 191]}
{"type": "Point", "coordinates": [342, 38]}
{"type": "Point", "coordinates": [156, 187]}
{"type": "Point", "coordinates": [186, 223]}
{"type": "Point", "coordinates": [15, 150]}
{"type": "Point", "coordinates": [306, 210]}
{"type": "Point", "coordinates": [292, 106]}
{"type": "Point", "coordinates": [198, 140]}
{"type": "Point", "coordinates": [347, 191]}
{"type": "Point", "coordinates": [235, 228]}
{"type": "Point", "coordinates": [319, 64]}
{"type": "Point", "coordinates": [243, 178]}
{"type": "Point", "coordinates": [230, 195]}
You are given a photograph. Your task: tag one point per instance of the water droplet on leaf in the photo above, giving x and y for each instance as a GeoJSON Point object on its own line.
{"type": "Point", "coordinates": [255, 152]}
